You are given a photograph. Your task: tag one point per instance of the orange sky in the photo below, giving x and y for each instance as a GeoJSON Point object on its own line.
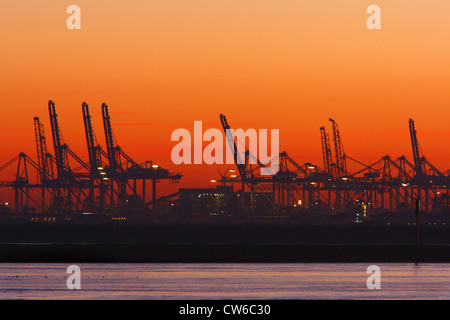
{"type": "Point", "coordinates": [287, 65]}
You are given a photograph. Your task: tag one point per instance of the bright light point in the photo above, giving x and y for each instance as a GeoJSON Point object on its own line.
{"type": "Point", "coordinates": [154, 166]}
{"type": "Point", "coordinates": [213, 181]}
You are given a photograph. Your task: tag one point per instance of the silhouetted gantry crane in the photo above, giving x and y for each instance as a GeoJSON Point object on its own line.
{"type": "Point", "coordinates": [123, 170]}
{"type": "Point", "coordinates": [292, 184]}
{"type": "Point", "coordinates": [427, 177]}
{"type": "Point", "coordinates": [326, 152]}
{"type": "Point", "coordinates": [67, 184]}
{"type": "Point", "coordinates": [247, 171]}
{"type": "Point", "coordinates": [112, 181]}
{"type": "Point", "coordinates": [340, 159]}
{"type": "Point", "coordinates": [385, 185]}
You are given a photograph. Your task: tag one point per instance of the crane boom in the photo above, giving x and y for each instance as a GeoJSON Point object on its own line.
{"type": "Point", "coordinates": [110, 147]}
{"type": "Point", "coordinates": [115, 153]}
{"type": "Point", "coordinates": [60, 155]}
{"type": "Point", "coordinates": [339, 150]}
{"type": "Point", "coordinates": [94, 151]}
{"type": "Point", "coordinates": [41, 146]}
{"type": "Point", "coordinates": [415, 147]}
{"type": "Point", "coordinates": [241, 165]}
{"type": "Point", "coordinates": [326, 150]}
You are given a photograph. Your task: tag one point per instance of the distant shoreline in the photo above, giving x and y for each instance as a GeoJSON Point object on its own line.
{"type": "Point", "coordinates": [170, 253]}
{"type": "Point", "coordinates": [221, 243]}
{"type": "Point", "coordinates": [252, 234]}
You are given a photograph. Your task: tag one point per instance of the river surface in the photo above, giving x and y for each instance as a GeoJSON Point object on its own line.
{"type": "Point", "coordinates": [194, 281]}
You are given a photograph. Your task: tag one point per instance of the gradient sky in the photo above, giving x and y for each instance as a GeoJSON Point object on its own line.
{"type": "Point", "coordinates": [287, 65]}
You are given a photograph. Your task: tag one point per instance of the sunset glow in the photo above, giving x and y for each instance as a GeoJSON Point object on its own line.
{"type": "Point", "coordinates": [161, 65]}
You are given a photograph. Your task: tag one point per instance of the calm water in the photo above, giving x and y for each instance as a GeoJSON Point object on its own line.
{"type": "Point", "coordinates": [224, 281]}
